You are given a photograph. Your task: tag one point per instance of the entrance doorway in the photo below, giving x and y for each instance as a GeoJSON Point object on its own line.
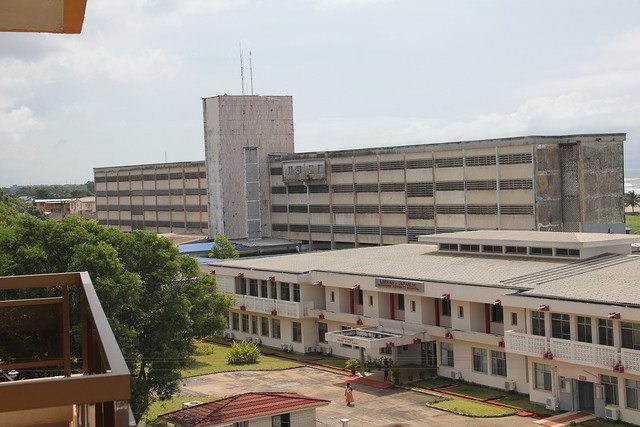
{"type": "Point", "coordinates": [585, 396]}
{"type": "Point", "coordinates": [429, 354]}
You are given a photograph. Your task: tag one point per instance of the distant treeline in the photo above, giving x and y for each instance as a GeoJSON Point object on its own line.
{"type": "Point", "coordinates": [51, 191]}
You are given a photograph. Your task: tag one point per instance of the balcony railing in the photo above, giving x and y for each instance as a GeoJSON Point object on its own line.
{"type": "Point", "coordinates": [583, 353]}
{"type": "Point", "coordinates": [631, 360]}
{"type": "Point", "coordinates": [526, 344]}
{"type": "Point", "coordinates": [96, 396]}
{"type": "Point", "coordinates": [266, 305]}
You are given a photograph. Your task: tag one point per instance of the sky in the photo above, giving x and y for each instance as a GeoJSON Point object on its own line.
{"type": "Point", "coordinates": [362, 73]}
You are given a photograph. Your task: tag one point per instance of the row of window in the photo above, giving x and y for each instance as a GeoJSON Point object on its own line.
{"type": "Point", "coordinates": [514, 250]}
{"type": "Point", "coordinates": [151, 177]}
{"type": "Point", "coordinates": [561, 328]}
{"type": "Point", "coordinates": [263, 326]}
{"type": "Point", "coordinates": [141, 225]}
{"type": "Point", "coordinates": [413, 211]}
{"type": "Point", "coordinates": [265, 289]}
{"type": "Point", "coordinates": [413, 189]}
{"type": "Point", "coordinates": [154, 208]}
{"type": "Point", "coordinates": [448, 162]}
{"type": "Point", "coordinates": [481, 357]}
{"type": "Point", "coordinates": [156, 192]}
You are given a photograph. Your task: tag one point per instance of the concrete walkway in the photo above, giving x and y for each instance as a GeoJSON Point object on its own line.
{"type": "Point", "coordinates": [374, 406]}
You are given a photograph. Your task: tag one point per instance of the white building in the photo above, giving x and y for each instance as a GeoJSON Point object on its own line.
{"type": "Point", "coordinates": [553, 315]}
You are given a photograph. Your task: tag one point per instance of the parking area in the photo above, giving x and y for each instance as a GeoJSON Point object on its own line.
{"type": "Point", "coordinates": [374, 407]}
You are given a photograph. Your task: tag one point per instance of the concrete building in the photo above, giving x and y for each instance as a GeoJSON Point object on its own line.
{"type": "Point", "coordinates": [84, 207]}
{"type": "Point", "coordinates": [393, 194]}
{"type": "Point", "coordinates": [553, 315]}
{"type": "Point", "coordinates": [163, 198]}
{"type": "Point", "coordinates": [54, 208]}
{"type": "Point", "coordinates": [239, 134]}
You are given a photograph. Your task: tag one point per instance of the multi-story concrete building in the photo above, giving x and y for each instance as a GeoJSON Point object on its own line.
{"type": "Point", "coordinates": [163, 198]}
{"type": "Point", "coordinates": [239, 134]}
{"type": "Point", "coordinates": [549, 314]}
{"type": "Point", "coordinates": [393, 194]}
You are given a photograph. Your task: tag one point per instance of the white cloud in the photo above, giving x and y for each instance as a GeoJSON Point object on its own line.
{"type": "Point", "coordinates": [330, 4]}
{"type": "Point", "coordinates": [15, 122]}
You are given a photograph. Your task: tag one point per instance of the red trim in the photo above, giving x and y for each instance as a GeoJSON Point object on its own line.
{"type": "Point", "coordinates": [487, 318]}
{"type": "Point", "coordinates": [392, 307]}
{"type": "Point", "coordinates": [436, 303]}
{"type": "Point", "coordinates": [352, 301]}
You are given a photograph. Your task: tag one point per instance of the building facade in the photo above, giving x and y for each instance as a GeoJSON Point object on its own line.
{"type": "Point", "coordinates": [162, 198]}
{"type": "Point", "coordinates": [54, 208]}
{"type": "Point", "coordinates": [394, 194]}
{"type": "Point", "coordinates": [552, 315]}
{"type": "Point", "coordinates": [84, 207]}
{"type": "Point", "coordinates": [239, 134]}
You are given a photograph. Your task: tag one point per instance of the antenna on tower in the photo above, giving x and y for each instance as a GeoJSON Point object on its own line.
{"type": "Point", "coordinates": [241, 69]}
{"type": "Point", "coordinates": [251, 72]}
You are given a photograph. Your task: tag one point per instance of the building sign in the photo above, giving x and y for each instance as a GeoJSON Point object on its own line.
{"type": "Point", "coordinates": [403, 285]}
{"type": "Point", "coordinates": [347, 340]}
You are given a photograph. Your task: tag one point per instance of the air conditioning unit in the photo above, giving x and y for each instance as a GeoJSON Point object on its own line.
{"type": "Point", "coordinates": [257, 341]}
{"type": "Point", "coordinates": [552, 403]}
{"type": "Point", "coordinates": [612, 413]}
{"type": "Point", "coordinates": [186, 405]}
{"type": "Point", "coordinates": [310, 350]}
{"type": "Point", "coordinates": [510, 385]}
{"type": "Point", "coordinates": [290, 348]}
{"type": "Point", "coordinates": [456, 375]}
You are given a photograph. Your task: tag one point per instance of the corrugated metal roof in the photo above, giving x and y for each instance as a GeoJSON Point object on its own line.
{"type": "Point", "coordinates": [242, 407]}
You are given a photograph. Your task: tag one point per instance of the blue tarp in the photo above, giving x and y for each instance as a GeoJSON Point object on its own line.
{"type": "Point", "coordinates": [189, 248]}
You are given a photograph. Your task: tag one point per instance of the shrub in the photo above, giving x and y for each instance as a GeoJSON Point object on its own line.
{"type": "Point", "coordinates": [223, 248]}
{"type": "Point", "coordinates": [243, 352]}
{"type": "Point", "coordinates": [204, 349]}
{"type": "Point", "coordinates": [352, 364]}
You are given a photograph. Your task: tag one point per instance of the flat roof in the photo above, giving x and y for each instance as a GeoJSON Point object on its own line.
{"type": "Point", "coordinates": [149, 166]}
{"type": "Point", "coordinates": [604, 279]}
{"type": "Point", "coordinates": [532, 238]}
{"type": "Point", "coordinates": [453, 145]}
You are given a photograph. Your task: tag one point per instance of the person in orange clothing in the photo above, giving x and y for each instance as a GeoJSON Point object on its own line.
{"type": "Point", "coordinates": [348, 395]}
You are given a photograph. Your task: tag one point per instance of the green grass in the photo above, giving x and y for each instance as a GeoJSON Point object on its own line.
{"type": "Point", "coordinates": [434, 382]}
{"type": "Point", "coordinates": [522, 401]}
{"type": "Point", "coordinates": [478, 392]}
{"type": "Point", "coordinates": [211, 358]}
{"type": "Point", "coordinates": [472, 408]}
{"type": "Point", "coordinates": [162, 407]}
{"type": "Point", "coordinates": [604, 423]}
{"type": "Point", "coordinates": [633, 222]}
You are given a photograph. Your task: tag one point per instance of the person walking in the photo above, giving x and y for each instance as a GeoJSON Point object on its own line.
{"type": "Point", "coordinates": [348, 394]}
{"type": "Point", "coordinates": [385, 369]}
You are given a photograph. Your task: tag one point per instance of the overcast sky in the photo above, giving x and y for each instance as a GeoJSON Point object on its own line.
{"type": "Point", "coordinates": [361, 72]}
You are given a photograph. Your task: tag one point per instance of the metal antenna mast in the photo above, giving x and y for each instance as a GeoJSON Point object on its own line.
{"type": "Point", "coordinates": [251, 72]}
{"type": "Point", "coordinates": [241, 68]}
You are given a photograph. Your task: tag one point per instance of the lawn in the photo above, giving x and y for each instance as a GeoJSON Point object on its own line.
{"type": "Point", "coordinates": [472, 408]}
{"type": "Point", "coordinates": [434, 382]}
{"type": "Point", "coordinates": [211, 358]}
{"type": "Point", "coordinates": [604, 423]}
{"type": "Point", "coordinates": [522, 401]}
{"type": "Point", "coordinates": [633, 222]}
{"type": "Point", "coordinates": [158, 408]}
{"type": "Point", "coordinates": [478, 392]}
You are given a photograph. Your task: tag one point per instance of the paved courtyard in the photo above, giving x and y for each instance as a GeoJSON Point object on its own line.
{"type": "Point", "coordinates": [374, 407]}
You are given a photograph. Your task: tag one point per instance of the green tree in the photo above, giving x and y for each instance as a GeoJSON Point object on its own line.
{"type": "Point", "coordinates": [223, 248]}
{"type": "Point", "coordinates": [157, 302]}
{"type": "Point", "coordinates": [632, 199]}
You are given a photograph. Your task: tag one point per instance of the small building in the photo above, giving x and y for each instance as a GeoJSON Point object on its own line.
{"type": "Point", "coordinates": [250, 410]}
{"type": "Point", "coordinates": [84, 207]}
{"type": "Point", "coordinates": [54, 208]}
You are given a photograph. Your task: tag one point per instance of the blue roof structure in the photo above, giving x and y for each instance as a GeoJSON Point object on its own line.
{"type": "Point", "coordinates": [189, 248]}
{"type": "Point", "coordinates": [203, 260]}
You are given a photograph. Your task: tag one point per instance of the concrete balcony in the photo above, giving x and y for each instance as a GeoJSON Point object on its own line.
{"type": "Point", "coordinates": [267, 306]}
{"type": "Point", "coordinates": [631, 360]}
{"type": "Point", "coordinates": [525, 344]}
{"type": "Point", "coordinates": [477, 337]}
{"type": "Point", "coordinates": [347, 318]}
{"type": "Point", "coordinates": [582, 353]}
{"type": "Point", "coordinates": [437, 331]}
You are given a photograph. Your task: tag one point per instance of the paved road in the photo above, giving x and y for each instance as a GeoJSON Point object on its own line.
{"type": "Point", "coordinates": [374, 407]}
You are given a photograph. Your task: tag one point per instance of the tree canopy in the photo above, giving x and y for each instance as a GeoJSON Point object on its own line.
{"type": "Point", "coordinates": [632, 199]}
{"type": "Point", "coordinates": [223, 248]}
{"type": "Point", "coordinates": [155, 299]}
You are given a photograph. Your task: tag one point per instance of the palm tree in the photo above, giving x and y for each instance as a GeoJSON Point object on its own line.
{"type": "Point", "coordinates": [632, 199]}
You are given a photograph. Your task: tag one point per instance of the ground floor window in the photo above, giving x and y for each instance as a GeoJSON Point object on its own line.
{"type": "Point", "coordinates": [632, 393]}
{"type": "Point", "coordinates": [264, 326]}
{"type": "Point", "coordinates": [322, 330]}
{"type": "Point", "coordinates": [245, 322]}
{"type": "Point", "coordinates": [446, 354]}
{"type": "Point", "coordinates": [275, 328]}
{"type": "Point", "coordinates": [254, 325]}
{"type": "Point", "coordinates": [283, 420]}
{"type": "Point", "coordinates": [296, 329]}
{"type": "Point", "coordinates": [479, 360]}
{"type": "Point", "coordinates": [542, 376]}
{"type": "Point", "coordinates": [610, 384]}
{"type": "Point", "coordinates": [498, 363]}
{"type": "Point", "coordinates": [235, 321]}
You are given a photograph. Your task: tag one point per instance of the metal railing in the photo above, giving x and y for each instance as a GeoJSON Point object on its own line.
{"type": "Point", "coordinates": [102, 391]}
